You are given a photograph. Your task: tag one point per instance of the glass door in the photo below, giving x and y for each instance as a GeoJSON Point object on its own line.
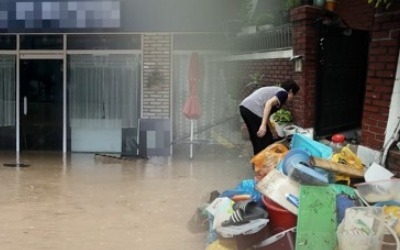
{"type": "Point", "coordinates": [41, 104]}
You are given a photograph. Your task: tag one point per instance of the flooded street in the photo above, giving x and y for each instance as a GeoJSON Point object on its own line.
{"type": "Point", "coordinates": [87, 201]}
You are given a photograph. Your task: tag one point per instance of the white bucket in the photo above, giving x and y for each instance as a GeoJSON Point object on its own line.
{"type": "Point", "coordinates": [290, 129]}
{"type": "Point", "coordinates": [308, 132]}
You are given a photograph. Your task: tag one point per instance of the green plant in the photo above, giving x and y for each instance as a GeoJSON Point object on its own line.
{"type": "Point", "coordinates": [255, 79]}
{"type": "Point", "coordinates": [282, 116]}
{"type": "Point", "coordinates": [382, 3]}
{"type": "Point", "coordinates": [264, 18]}
{"type": "Point", "coordinates": [246, 12]}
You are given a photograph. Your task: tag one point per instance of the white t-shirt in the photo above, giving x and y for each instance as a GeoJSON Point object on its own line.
{"type": "Point", "coordinates": [255, 102]}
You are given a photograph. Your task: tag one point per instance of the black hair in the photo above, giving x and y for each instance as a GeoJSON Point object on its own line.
{"type": "Point", "coordinates": [290, 85]}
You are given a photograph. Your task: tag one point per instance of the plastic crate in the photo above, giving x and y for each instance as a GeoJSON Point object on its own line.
{"type": "Point", "coordinates": [377, 191]}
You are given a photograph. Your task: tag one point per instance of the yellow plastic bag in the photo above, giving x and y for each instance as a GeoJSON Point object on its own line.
{"type": "Point", "coordinates": [392, 217]}
{"type": "Point", "coordinates": [347, 157]}
{"type": "Point", "coordinates": [268, 159]}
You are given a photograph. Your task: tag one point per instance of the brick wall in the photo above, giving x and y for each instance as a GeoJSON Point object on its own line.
{"type": "Point", "coordinates": [383, 59]}
{"type": "Point", "coordinates": [275, 71]}
{"type": "Point", "coordinates": [156, 56]}
{"type": "Point", "coordinates": [278, 70]}
{"type": "Point", "coordinates": [305, 39]}
{"type": "Point", "coordinates": [358, 14]}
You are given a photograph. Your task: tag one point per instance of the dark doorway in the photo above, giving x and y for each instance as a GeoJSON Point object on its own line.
{"type": "Point", "coordinates": [41, 89]}
{"type": "Point", "coordinates": [340, 88]}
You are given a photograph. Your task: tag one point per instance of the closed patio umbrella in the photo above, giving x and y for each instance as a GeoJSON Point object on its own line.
{"type": "Point", "coordinates": [191, 108]}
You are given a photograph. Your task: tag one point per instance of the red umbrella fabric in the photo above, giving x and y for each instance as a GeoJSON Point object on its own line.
{"type": "Point", "coordinates": [192, 109]}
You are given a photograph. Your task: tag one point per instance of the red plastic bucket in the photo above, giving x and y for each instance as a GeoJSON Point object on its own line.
{"type": "Point", "coordinates": [280, 219]}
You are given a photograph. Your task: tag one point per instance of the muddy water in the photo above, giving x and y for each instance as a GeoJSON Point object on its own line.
{"type": "Point", "coordinates": [84, 201]}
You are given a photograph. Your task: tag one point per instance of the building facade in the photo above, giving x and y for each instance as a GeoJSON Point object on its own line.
{"type": "Point", "coordinates": [77, 76]}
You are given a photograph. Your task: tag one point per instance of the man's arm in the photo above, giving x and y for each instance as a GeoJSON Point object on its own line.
{"type": "Point", "coordinates": [267, 110]}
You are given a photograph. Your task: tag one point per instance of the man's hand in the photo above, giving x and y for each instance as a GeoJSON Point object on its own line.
{"type": "Point", "coordinates": [261, 131]}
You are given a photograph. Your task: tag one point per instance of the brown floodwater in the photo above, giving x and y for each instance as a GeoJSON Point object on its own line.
{"type": "Point", "coordinates": [87, 201]}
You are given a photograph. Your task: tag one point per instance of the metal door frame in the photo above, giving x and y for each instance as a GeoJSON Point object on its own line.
{"type": "Point", "coordinates": [40, 55]}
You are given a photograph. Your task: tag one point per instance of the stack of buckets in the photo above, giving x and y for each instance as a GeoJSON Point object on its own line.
{"type": "Point", "coordinates": [280, 219]}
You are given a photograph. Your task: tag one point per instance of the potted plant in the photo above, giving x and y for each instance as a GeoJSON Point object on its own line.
{"type": "Point", "coordinates": [281, 119]}
{"type": "Point", "coordinates": [282, 116]}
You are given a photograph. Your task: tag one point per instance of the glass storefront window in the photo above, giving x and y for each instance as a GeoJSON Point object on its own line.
{"type": "Point", "coordinates": [41, 42]}
{"type": "Point", "coordinates": [103, 102]}
{"type": "Point", "coordinates": [8, 42]}
{"type": "Point", "coordinates": [104, 41]}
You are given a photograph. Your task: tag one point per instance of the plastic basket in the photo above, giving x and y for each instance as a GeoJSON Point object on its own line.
{"type": "Point", "coordinates": [280, 218]}
{"type": "Point", "coordinates": [361, 229]}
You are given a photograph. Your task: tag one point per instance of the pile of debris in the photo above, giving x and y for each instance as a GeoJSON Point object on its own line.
{"type": "Point", "coordinates": [307, 195]}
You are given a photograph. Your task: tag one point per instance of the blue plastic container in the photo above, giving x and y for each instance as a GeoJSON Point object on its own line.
{"type": "Point", "coordinates": [306, 175]}
{"type": "Point", "coordinates": [314, 148]}
{"type": "Point", "coordinates": [294, 157]}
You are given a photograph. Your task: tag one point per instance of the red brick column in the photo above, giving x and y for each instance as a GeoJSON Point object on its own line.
{"type": "Point", "coordinates": [305, 38]}
{"type": "Point", "coordinates": [383, 59]}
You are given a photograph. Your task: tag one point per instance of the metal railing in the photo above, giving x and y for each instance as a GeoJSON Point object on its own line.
{"type": "Point", "coordinates": [275, 38]}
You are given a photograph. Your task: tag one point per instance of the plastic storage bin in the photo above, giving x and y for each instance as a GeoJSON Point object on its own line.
{"type": "Point", "coordinates": [306, 175]}
{"type": "Point", "coordinates": [361, 229]}
{"type": "Point", "coordinates": [376, 191]}
{"type": "Point", "coordinates": [314, 148]}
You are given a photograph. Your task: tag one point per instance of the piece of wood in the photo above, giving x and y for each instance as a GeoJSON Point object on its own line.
{"type": "Point", "coordinates": [337, 167]}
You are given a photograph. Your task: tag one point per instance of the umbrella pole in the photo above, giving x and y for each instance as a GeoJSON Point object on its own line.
{"type": "Point", "coordinates": [191, 138]}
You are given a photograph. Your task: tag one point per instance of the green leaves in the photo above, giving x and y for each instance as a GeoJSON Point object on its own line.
{"type": "Point", "coordinates": [282, 116]}
{"type": "Point", "coordinates": [382, 3]}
